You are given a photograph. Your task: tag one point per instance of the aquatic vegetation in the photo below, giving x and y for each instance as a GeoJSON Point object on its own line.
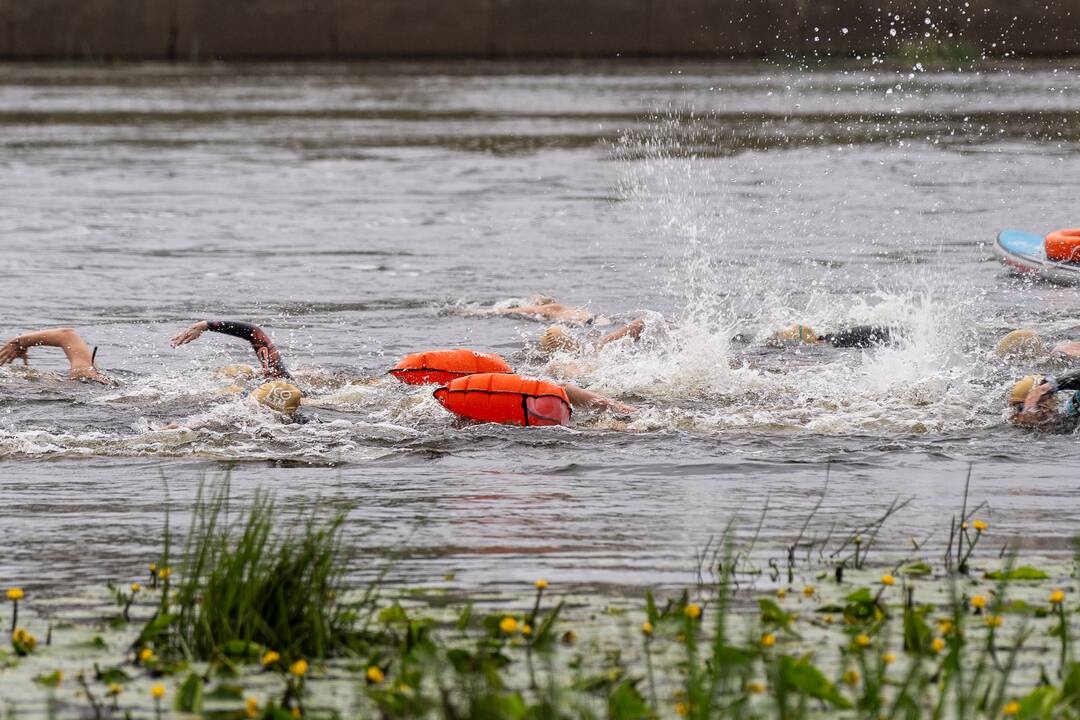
{"type": "Point", "coordinates": [14, 595]}
{"type": "Point", "coordinates": [256, 622]}
{"type": "Point", "coordinates": [245, 590]}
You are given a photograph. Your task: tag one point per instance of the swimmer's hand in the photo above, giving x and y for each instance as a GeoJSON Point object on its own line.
{"type": "Point", "coordinates": [1035, 396]}
{"type": "Point", "coordinates": [621, 408]}
{"type": "Point", "coordinates": [189, 335]}
{"type": "Point", "coordinates": [580, 397]}
{"type": "Point", "coordinates": [12, 350]}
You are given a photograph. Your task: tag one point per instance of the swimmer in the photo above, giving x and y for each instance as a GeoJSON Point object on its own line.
{"type": "Point", "coordinates": [1027, 344]}
{"type": "Point", "coordinates": [556, 338]}
{"type": "Point", "coordinates": [1041, 402]}
{"type": "Point", "coordinates": [265, 350]}
{"type": "Point", "coordinates": [81, 357]}
{"type": "Point", "coordinates": [546, 308]}
{"type": "Point", "coordinates": [281, 397]}
{"type": "Point", "coordinates": [856, 336]}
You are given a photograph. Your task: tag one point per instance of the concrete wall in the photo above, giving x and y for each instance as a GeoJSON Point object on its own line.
{"type": "Point", "coordinates": [323, 29]}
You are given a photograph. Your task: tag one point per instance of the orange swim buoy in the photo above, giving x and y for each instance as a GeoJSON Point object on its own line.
{"type": "Point", "coordinates": [439, 367]}
{"type": "Point", "coordinates": [1063, 245]}
{"type": "Point", "coordinates": [506, 399]}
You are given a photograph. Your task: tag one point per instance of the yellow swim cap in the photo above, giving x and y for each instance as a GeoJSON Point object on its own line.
{"type": "Point", "coordinates": [1022, 387]}
{"type": "Point", "coordinates": [795, 334]}
{"type": "Point", "coordinates": [236, 371]}
{"type": "Point", "coordinates": [1022, 343]}
{"type": "Point", "coordinates": [279, 396]}
{"type": "Point", "coordinates": [556, 338]}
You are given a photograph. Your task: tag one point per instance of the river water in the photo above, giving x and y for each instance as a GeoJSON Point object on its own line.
{"type": "Point", "coordinates": [361, 212]}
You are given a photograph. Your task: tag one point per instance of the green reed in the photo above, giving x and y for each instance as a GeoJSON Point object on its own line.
{"type": "Point", "coordinates": [244, 586]}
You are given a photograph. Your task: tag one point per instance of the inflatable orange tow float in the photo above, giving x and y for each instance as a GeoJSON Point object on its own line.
{"type": "Point", "coordinates": [438, 367]}
{"type": "Point", "coordinates": [506, 399]}
{"type": "Point", "coordinates": [1063, 245]}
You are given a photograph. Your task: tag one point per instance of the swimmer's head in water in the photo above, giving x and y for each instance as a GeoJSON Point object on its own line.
{"type": "Point", "coordinates": [794, 335]}
{"type": "Point", "coordinates": [555, 339]}
{"type": "Point", "coordinates": [1021, 389]}
{"type": "Point", "coordinates": [239, 372]}
{"type": "Point", "coordinates": [278, 395]}
{"type": "Point", "coordinates": [1021, 344]}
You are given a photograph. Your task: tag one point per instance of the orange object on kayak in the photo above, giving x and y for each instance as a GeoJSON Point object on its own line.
{"type": "Point", "coordinates": [441, 366]}
{"type": "Point", "coordinates": [1063, 245]}
{"type": "Point", "coordinates": [506, 399]}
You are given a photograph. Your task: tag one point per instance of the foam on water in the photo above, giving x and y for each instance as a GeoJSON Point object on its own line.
{"type": "Point", "coordinates": [927, 381]}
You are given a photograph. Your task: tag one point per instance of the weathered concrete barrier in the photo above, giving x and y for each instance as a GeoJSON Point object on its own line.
{"type": "Point", "coordinates": [338, 29]}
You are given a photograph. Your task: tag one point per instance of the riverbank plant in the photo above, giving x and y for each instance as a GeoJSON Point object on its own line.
{"type": "Point", "coordinates": [258, 622]}
{"type": "Point", "coordinates": [244, 587]}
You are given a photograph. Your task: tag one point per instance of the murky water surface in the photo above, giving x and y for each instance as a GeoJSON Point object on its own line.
{"type": "Point", "coordinates": [361, 212]}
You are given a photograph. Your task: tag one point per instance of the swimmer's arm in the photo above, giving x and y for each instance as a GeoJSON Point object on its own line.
{"type": "Point", "coordinates": [1067, 350]}
{"type": "Point", "coordinates": [264, 347]}
{"type": "Point", "coordinates": [1068, 381]}
{"type": "Point", "coordinates": [516, 310]}
{"type": "Point", "coordinates": [80, 355]}
{"type": "Point", "coordinates": [585, 399]}
{"type": "Point", "coordinates": [633, 329]}
{"type": "Point", "coordinates": [242, 330]}
{"type": "Point", "coordinates": [858, 336]}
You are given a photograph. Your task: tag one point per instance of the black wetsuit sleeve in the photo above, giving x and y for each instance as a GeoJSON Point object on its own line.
{"type": "Point", "coordinates": [859, 336]}
{"type": "Point", "coordinates": [1068, 381]}
{"type": "Point", "coordinates": [264, 347]}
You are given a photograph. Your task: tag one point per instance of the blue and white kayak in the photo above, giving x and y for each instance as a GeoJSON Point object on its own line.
{"type": "Point", "coordinates": [1025, 254]}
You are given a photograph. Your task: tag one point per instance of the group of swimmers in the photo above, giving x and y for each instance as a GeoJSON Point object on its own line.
{"type": "Point", "coordinates": [1038, 401]}
{"type": "Point", "coordinates": [1035, 401]}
